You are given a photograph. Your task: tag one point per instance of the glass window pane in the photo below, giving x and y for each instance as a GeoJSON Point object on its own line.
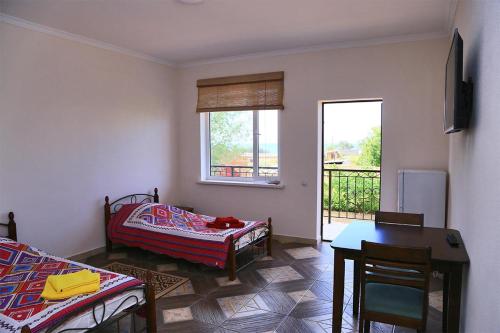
{"type": "Point", "coordinates": [231, 144]}
{"type": "Point", "coordinates": [268, 143]}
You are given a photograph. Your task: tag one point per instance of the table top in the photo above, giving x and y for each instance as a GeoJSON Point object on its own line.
{"type": "Point", "coordinates": [350, 239]}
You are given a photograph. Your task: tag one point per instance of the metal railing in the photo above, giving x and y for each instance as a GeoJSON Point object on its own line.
{"type": "Point", "coordinates": [241, 171]}
{"type": "Point", "coordinates": [347, 193]}
{"type": "Point", "coordinates": [350, 194]}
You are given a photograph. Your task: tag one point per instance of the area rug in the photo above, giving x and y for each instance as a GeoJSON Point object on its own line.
{"type": "Point", "coordinates": [162, 283]}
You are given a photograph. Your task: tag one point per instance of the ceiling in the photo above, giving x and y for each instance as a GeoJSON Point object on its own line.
{"type": "Point", "coordinates": [182, 34]}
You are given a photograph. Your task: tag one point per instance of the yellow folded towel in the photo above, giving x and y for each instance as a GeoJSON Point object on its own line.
{"type": "Point", "coordinates": [67, 285]}
{"type": "Point", "coordinates": [66, 282]}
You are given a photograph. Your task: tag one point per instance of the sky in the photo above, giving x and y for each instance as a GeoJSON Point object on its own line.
{"type": "Point", "coordinates": [350, 122]}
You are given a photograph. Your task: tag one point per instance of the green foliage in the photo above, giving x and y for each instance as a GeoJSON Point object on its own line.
{"type": "Point", "coordinates": [371, 149]}
{"type": "Point", "coordinates": [228, 130]}
{"type": "Point", "coordinates": [352, 191]}
{"type": "Point", "coordinates": [342, 145]}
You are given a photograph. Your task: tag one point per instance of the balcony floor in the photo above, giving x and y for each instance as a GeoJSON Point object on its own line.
{"type": "Point", "coordinates": [338, 224]}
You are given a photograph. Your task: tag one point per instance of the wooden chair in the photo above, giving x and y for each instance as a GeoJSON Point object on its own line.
{"type": "Point", "coordinates": [394, 218]}
{"type": "Point", "coordinates": [394, 285]}
{"type": "Point", "coordinates": [399, 218]}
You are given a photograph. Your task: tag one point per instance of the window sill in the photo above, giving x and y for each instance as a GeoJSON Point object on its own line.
{"type": "Point", "coordinates": [242, 184]}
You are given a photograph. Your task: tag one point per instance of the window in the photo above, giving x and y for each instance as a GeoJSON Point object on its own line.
{"type": "Point", "coordinates": [242, 145]}
{"type": "Point", "coordinates": [240, 124]}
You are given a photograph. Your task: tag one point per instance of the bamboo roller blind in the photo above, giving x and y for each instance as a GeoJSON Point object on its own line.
{"type": "Point", "coordinates": [241, 93]}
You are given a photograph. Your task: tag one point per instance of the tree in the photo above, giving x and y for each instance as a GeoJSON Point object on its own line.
{"type": "Point", "coordinates": [344, 145]}
{"type": "Point", "coordinates": [371, 149]}
{"type": "Point", "coordinates": [228, 133]}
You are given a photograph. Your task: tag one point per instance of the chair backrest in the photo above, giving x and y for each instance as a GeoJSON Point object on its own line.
{"type": "Point", "coordinates": [404, 266]}
{"type": "Point", "coordinates": [396, 265]}
{"type": "Point", "coordinates": [399, 218]}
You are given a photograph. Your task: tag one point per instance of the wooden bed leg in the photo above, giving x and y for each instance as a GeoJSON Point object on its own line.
{"type": "Point", "coordinates": [156, 197]}
{"type": "Point", "coordinates": [26, 329]}
{"type": "Point", "coordinates": [231, 259]}
{"type": "Point", "coordinates": [107, 218]}
{"type": "Point", "coordinates": [270, 238]}
{"type": "Point", "coordinates": [12, 227]}
{"type": "Point", "coordinates": [150, 305]}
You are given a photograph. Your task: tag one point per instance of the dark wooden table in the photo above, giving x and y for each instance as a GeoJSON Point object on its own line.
{"type": "Point", "coordinates": [445, 259]}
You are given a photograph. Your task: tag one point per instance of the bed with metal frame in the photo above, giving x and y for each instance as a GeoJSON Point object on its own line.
{"type": "Point", "coordinates": [97, 308]}
{"type": "Point", "coordinates": [258, 244]}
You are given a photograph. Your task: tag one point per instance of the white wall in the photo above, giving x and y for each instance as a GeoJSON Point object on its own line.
{"type": "Point", "coordinates": [473, 164]}
{"type": "Point", "coordinates": [77, 123]}
{"type": "Point", "coordinates": [408, 76]}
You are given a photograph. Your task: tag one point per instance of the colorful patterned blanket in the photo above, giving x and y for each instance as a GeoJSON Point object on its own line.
{"type": "Point", "coordinates": [169, 230]}
{"type": "Point", "coordinates": [171, 220]}
{"type": "Point", "coordinates": [23, 272]}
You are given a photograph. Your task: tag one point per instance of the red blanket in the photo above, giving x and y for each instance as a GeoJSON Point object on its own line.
{"type": "Point", "coordinates": [226, 223]}
{"type": "Point", "coordinates": [174, 232]}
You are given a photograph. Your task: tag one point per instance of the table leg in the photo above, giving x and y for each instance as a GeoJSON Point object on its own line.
{"type": "Point", "coordinates": [355, 288]}
{"type": "Point", "coordinates": [454, 295]}
{"type": "Point", "coordinates": [446, 287]}
{"type": "Point", "coordinates": [338, 290]}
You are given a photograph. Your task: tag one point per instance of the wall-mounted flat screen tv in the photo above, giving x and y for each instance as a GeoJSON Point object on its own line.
{"type": "Point", "coordinates": [457, 92]}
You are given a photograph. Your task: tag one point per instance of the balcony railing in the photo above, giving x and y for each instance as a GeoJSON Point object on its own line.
{"type": "Point", "coordinates": [350, 193]}
{"type": "Point", "coordinates": [347, 193]}
{"type": "Point", "coordinates": [241, 171]}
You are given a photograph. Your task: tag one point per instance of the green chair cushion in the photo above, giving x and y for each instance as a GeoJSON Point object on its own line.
{"type": "Point", "coordinates": [394, 299]}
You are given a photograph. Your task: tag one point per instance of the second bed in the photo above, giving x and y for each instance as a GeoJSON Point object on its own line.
{"type": "Point", "coordinates": [139, 220]}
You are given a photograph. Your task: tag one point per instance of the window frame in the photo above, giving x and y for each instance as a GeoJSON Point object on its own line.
{"type": "Point", "coordinates": [206, 152]}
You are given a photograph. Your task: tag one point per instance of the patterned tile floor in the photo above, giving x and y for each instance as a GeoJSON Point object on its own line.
{"type": "Point", "coordinates": [290, 292]}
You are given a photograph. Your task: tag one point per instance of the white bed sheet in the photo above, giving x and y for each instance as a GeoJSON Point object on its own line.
{"type": "Point", "coordinates": [258, 233]}
{"type": "Point", "coordinates": [86, 319]}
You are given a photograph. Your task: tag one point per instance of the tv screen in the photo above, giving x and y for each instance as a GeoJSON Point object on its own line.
{"type": "Point", "coordinates": [455, 113]}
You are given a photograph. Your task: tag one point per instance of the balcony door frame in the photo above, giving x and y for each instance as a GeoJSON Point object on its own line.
{"type": "Point", "coordinates": [323, 149]}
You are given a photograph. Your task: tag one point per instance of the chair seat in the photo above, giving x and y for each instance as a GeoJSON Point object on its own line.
{"type": "Point", "coordinates": [394, 299]}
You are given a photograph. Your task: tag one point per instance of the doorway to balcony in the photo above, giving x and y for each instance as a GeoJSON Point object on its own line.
{"type": "Point", "coordinates": [351, 163]}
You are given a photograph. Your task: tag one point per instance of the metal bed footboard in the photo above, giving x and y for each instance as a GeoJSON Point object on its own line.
{"type": "Point", "coordinates": [259, 246]}
{"type": "Point", "coordinates": [102, 320]}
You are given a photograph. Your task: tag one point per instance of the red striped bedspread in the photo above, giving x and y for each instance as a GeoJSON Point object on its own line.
{"type": "Point", "coordinates": [175, 232]}
{"type": "Point", "coordinates": [23, 272]}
